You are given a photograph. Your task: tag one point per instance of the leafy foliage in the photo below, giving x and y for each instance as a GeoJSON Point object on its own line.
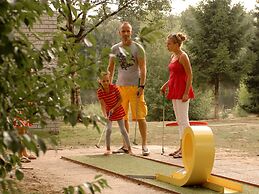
{"type": "Point", "coordinates": [200, 106]}
{"type": "Point", "coordinates": [94, 186]}
{"type": "Point", "coordinates": [20, 83]}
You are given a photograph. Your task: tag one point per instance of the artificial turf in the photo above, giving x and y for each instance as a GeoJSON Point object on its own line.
{"type": "Point", "coordinates": [130, 165]}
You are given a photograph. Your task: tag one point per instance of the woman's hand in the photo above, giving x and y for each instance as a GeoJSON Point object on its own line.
{"type": "Point", "coordinates": [163, 89]}
{"type": "Point", "coordinates": [140, 91]}
{"type": "Point", "coordinates": [185, 98]}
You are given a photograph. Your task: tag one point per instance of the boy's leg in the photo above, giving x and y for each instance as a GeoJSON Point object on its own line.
{"type": "Point", "coordinates": [124, 134]}
{"type": "Point", "coordinates": [124, 90]}
{"type": "Point", "coordinates": [108, 135]}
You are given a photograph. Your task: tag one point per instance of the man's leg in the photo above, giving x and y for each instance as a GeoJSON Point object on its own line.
{"type": "Point", "coordinates": [139, 112]}
{"type": "Point", "coordinates": [143, 130]}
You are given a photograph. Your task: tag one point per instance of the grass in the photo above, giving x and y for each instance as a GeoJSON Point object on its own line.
{"type": "Point", "coordinates": [236, 134]}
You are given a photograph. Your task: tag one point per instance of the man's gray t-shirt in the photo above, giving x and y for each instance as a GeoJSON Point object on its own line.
{"type": "Point", "coordinates": [126, 57]}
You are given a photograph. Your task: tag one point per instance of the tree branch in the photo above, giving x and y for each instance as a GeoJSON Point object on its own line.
{"type": "Point", "coordinates": [82, 26]}
{"type": "Point", "coordinates": [62, 13]}
{"type": "Point", "coordinates": [70, 19]}
{"type": "Point", "coordinates": [77, 17]}
{"type": "Point", "coordinates": [104, 19]}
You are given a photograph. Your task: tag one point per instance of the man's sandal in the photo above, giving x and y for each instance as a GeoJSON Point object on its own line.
{"type": "Point", "coordinates": [172, 154]}
{"type": "Point", "coordinates": [178, 155]}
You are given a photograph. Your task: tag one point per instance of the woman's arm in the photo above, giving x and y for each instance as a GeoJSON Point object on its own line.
{"type": "Point", "coordinates": [184, 60]}
{"type": "Point", "coordinates": [164, 87]}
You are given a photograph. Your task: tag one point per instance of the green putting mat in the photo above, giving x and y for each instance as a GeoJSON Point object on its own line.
{"type": "Point", "coordinates": [143, 169]}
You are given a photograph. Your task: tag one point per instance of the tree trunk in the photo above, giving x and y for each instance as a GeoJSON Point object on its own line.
{"type": "Point", "coordinates": [76, 99]}
{"type": "Point", "coordinates": [216, 98]}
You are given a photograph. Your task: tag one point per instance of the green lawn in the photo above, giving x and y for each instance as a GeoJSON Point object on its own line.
{"type": "Point", "coordinates": [240, 134]}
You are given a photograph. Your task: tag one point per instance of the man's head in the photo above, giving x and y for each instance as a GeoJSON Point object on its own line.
{"type": "Point", "coordinates": [125, 32]}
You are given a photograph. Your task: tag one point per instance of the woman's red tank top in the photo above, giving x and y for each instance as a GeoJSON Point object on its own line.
{"type": "Point", "coordinates": [177, 81]}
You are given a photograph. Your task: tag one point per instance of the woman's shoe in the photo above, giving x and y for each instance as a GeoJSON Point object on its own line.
{"type": "Point", "coordinates": [25, 159]}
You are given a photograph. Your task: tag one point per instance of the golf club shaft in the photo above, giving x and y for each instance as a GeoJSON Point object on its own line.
{"type": "Point", "coordinates": [99, 141]}
{"type": "Point", "coordinates": [163, 124]}
{"type": "Point", "coordinates": [136, 123]}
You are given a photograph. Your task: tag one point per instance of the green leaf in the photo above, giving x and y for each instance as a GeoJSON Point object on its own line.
{"type": "Point", "coordinates": [96, 188]}
{"type": "Point", "coordinates": [80, 190]}
{"type": "Point", "coordinates": [8, 167]}
{"type": "Point", "coordinates": [98, 176]}
{"type": "Point", "coordinates": [2, 172]}
{"type": "Point", "coordinates": [19, 174]}
{"type": "Point", "coordinates": [42, 145]}
{"type": "Point", "coordinates": [71, 189]}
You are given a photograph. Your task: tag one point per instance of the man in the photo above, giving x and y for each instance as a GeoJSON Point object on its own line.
{"type": "Point", "coordinates": [131, 61]}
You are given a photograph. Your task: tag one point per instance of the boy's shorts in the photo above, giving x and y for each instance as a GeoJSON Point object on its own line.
{"type": "Point", "coordinates": [137, 105]}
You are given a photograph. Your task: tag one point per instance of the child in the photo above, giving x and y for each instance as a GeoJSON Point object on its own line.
{"type": "Point", "coordinates": [22, 126]}
{"type": "Point", "coordinates": [110, 100]}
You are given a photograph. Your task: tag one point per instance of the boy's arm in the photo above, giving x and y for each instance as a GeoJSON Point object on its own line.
{"type": "Point", "coordinates": [103, 108]}
{"type": "Point", "coordinates": [116, 105]}
{"type": "Point", "coordinates": [111, 67]}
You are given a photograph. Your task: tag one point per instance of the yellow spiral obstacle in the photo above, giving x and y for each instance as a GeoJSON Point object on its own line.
{"type": "Point", "coordinates": [198, 151]}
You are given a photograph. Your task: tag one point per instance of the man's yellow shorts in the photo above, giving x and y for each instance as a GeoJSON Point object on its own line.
{"type": "Point", "coordinates": [137, 105]}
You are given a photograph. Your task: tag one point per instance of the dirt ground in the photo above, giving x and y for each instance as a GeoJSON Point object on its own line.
{"type": "Point", "coordinates": [49, 173]}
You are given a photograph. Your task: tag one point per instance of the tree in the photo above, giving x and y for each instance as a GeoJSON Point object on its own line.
{"type": "Point", "coordinates": [219, 35]}
{"type": "Point", "coordinates": [252, 80]}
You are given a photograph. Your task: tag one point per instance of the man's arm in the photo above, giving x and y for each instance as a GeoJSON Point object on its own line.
{"type": "Point", "coordinates": [143, 72]}
{"type": "Point", "coordinates": [111, 67]}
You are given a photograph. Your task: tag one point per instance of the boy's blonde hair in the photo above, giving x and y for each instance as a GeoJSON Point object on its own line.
{"type": "Point", "coordinates": [100, 77]}
{"type": "Point", "coordinates": [103, 73]}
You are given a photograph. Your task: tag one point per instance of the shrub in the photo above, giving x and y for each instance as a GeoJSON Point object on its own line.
{"type": "Point", "coordinates": [200, 107]}
{"type": "Point", "coordinates": [243, 101]}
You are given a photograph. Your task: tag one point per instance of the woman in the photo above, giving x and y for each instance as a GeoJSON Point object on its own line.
{"type": "Point", "coordinates": [179, 84]}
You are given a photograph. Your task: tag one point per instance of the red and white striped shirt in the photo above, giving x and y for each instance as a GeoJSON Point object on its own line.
{"type": "Point", "coordinates": [110, 99]}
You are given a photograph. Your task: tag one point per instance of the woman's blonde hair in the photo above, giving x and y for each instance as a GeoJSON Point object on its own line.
{"type": "Point", "coordinates": [177, 38]}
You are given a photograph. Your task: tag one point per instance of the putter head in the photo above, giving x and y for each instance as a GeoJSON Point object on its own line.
{"type": "Point", "coordinates": [97, 146]}
{"type": "Point", "coordinates": [135, 143]}
{"type": "Point", "coordinates": [163, 151]}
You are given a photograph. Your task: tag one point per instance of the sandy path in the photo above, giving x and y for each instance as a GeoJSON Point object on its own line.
{"type": "Point", "coordinates": [49, 174]}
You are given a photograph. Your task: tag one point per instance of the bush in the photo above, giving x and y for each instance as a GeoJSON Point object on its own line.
{"type": "Point", "coordinates": [243, 101]}
{"type": "Point", "coordinates": [92, 109]}
{"type": "Point", "coordinates": [200, 107]}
